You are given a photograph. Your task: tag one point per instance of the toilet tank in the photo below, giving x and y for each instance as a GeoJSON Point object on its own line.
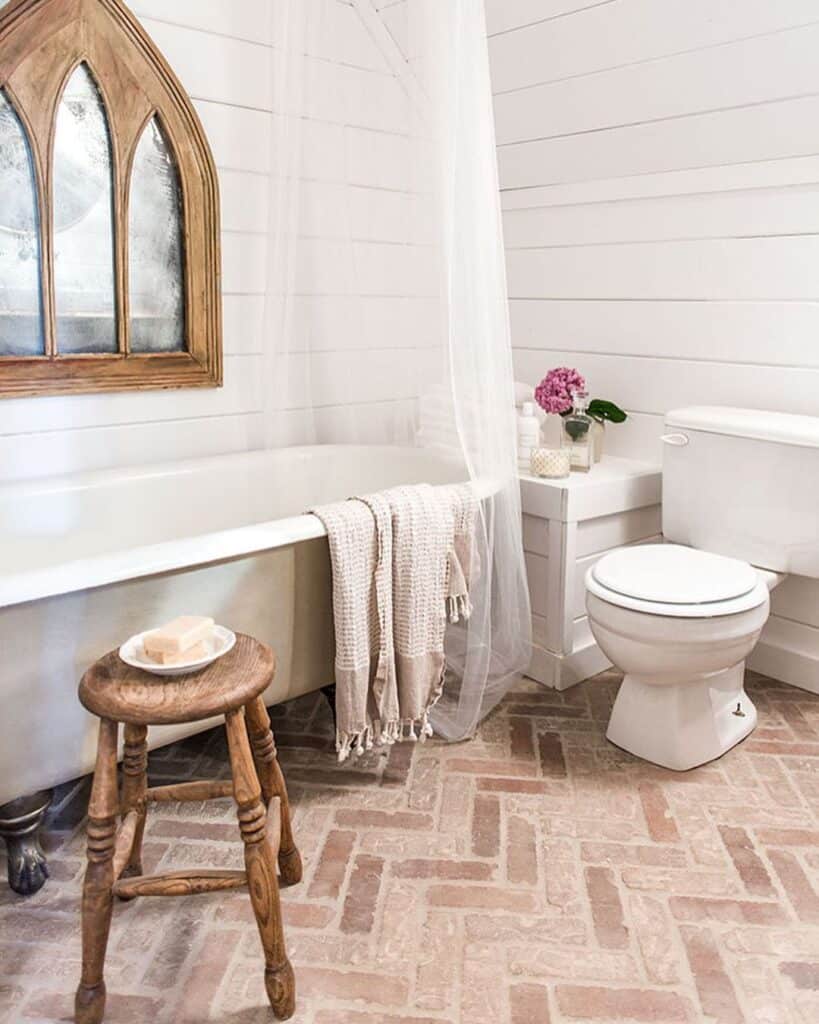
{"type": "Point", "coordinates": [744, 483]}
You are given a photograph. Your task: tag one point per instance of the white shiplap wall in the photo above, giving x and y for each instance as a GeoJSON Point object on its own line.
{"type": "Point", "coordinates": [659, 164]}
{"type": "Point", "coordinates": [660, 173]}
{"type": "Point", "coordinates": [223, 53]}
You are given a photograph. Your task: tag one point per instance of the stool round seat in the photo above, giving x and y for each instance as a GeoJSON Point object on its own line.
{"type": "Point", "coordinates": [111, 689]}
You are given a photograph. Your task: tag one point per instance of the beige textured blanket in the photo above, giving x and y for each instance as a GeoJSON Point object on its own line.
{"type": "Point", "coordinates": [401, 561]}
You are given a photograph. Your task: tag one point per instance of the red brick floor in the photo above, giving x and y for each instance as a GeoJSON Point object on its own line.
{"type": "Point", "coordinates": [534, 875]}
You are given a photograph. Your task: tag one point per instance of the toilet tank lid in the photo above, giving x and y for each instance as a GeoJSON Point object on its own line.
{"type": "Point", "coordinates": [779, 427]}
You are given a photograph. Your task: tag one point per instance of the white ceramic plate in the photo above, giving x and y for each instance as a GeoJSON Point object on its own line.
{"type": "Point", "coordinates": [132, 653]}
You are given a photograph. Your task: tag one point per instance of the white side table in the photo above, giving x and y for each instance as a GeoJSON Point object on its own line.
{"type": "Point", "coordinates": [567, 525]}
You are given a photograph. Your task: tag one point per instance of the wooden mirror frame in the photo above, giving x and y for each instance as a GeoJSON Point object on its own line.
{"type": "Point", "coordinates": [41, 43]}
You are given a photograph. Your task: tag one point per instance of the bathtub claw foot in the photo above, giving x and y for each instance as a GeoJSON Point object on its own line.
{"type": "Point", "coordinates": [20, 823]}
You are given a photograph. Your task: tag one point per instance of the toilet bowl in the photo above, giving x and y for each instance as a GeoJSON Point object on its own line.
{"type": "Point", "coordinates": [679, 623]}
{"type": "Point", "coordinates": [740, 490]}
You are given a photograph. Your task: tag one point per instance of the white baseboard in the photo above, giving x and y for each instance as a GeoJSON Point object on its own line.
{"type": "Point", "coordinates": [788, 651]}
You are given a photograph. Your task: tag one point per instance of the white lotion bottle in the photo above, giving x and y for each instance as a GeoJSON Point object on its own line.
{"type": "Point", "coordinates": [528, 436]}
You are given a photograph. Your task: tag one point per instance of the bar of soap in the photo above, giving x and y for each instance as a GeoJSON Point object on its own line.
{"type": "Point", "coordinates": [178, 636]}
{"type": "Point", "coordinates": [195, 653]}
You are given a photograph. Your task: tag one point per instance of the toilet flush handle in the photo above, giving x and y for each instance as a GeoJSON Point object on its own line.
{"type": "Point", "coordinates": [678, 440]}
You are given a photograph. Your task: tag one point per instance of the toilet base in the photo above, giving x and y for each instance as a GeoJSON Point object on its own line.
{"type": "Point", "coordinates": [682, 725]}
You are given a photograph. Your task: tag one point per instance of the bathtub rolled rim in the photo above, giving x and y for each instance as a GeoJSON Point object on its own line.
{"type": "Point", "coordinates": [92, 572]}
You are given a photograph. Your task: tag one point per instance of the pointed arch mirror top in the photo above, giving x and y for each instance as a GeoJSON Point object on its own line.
{"type": "Point", "coordinates": [156, 251]}
{"type": "Point", "coordinates": [21, 308]}
{"type": "Point", "coordinates": [83, 220]}
{"type": "Point", "coordinates": [126, 205]}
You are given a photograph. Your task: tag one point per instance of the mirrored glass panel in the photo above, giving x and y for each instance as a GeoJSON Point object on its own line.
{"type": "Point", "coordinates": [21, 308]}
{"type": "Point", "coordinates": [83, 221]}
{"type": "Point", "coordinates": [156, 257]}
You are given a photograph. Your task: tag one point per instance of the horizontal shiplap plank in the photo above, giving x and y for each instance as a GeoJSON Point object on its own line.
{"type": "Point", "coordinates": [771, 130]}
{"type": "Point", "coordinates": [506, 15]}
{"type": "Point", "coordinates": [244, 263]}
{"type": "Point", "coordinates": [242, 393]}
{"type": "Point", "coordinates": [690, 83]}
{"type": "Point", "coordinates": [240, 138]}
{"type": "Point", "coordinates": [327, 267]}
{"type": "Point", "coordinates": [611, 35]}
{"type": "Point", "coordinates": [769, 333]}
{"type": "Point", "coordinates": [390, 422]}
{"type": "Point", "coordinates": [702, 181]}
{"type": "Point", "coordinates": [752, 269]}
{"type": "Point", "coordinates": [657, 385]}
{"type": "Point", "coordinates": [735, 214]}
{"type": "Point", "coordinates": [331, 153]}
{"type": "Point", "coordinates": [343, 322]}
{"type": "Point", "coordinates": [637, 438]}
{"type": "Point", "coordinates": [364, 214]}
{"type": "Point", "coordinates": [216, 68]}
{"type": "Point", "coordinates": [245, 201]}
{"type": "Point", "coordinates": [352, 96]}
{"type": "Point", "coordinates": [251, 19]}
{"type": "Point", "coordinates": [336, 378]}
{"type": "Point", "coordinates": [131, 444]}
{"type": "Point", "coordinates": [331, 30]}
{"type": "Point", "coordinates": [327, 210]}
{"type": "Point", "coordinates": [387, 422]}
{"type": "Point", "coordinates": [243, 317]}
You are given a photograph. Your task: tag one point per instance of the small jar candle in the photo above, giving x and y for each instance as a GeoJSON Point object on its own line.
{"type": "Point", "coordinates": [552, 463]}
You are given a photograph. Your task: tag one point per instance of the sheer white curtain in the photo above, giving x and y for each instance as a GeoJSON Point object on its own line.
{"type": "Point", "coordinates": [387, 304]}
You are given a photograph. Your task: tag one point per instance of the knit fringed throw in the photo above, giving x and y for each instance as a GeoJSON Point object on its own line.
{"type": "Point", "coordinates": [401, 561]}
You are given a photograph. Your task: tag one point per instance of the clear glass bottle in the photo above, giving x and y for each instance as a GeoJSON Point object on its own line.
{"type": "Point", "coordinates": [577, 433]}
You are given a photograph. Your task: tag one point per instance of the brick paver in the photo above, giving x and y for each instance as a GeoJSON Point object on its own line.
{"type": "Point", "coordinates": [536, 875]}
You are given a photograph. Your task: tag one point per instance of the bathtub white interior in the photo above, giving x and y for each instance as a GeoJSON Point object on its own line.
{"type": "Point", "coordinates": [275, 584]}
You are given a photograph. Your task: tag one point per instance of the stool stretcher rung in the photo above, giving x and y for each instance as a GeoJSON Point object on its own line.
{"type": "Point", "coordinates": [205, 789]}
{"type": "Point", "coordinates": [179, 883]}
{"type": "Point", "coordinates": [126, 834]}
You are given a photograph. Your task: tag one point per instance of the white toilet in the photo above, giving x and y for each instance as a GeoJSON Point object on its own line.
{"type": "Point", "coordinates": [740, 509]}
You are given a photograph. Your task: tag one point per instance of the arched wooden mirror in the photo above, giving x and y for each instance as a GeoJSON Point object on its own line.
{"type": "Point", "coordinates": [109, 209]}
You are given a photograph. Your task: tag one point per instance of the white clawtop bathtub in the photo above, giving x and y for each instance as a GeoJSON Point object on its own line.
{"type": "Point", "coordinates": [88, 560]}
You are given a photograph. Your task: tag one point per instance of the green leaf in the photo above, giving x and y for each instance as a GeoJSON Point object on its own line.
{"type": "Point", "coordinates": [601, 410]}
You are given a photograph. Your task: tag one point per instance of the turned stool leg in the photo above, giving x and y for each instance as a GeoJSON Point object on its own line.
{"type": "Point", "coordinates": [134, 789]}
{"type": "Point", "coordinates": [272, 780]}
{"type": "Point", "coordinates": [99, 878]}
{"type": "Point", "coordinates": [261, 868]}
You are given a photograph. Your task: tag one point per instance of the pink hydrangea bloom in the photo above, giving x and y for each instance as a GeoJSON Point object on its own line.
{"type": "Point", "coordinates": [554, 393]}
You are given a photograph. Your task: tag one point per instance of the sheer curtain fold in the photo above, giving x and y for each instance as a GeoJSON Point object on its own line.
{"type": "Point", "coordinates": [386, 302]}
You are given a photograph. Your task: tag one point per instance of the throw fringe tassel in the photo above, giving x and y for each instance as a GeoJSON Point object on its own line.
{"type": "Point", "coordinates": [458, 608]}
{"type": "Point", "coordinates": [380, 734]}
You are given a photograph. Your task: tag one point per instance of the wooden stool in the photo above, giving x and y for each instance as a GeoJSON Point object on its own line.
{"type": "Point", "coordinates": [231, 686]}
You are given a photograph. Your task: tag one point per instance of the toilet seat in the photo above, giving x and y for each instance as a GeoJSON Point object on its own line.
{"type": "Point", "coordinates": [676, 581]}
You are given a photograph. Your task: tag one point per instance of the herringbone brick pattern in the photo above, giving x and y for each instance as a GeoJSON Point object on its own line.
{"type": "Point", "coordinates": [534, 875]}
